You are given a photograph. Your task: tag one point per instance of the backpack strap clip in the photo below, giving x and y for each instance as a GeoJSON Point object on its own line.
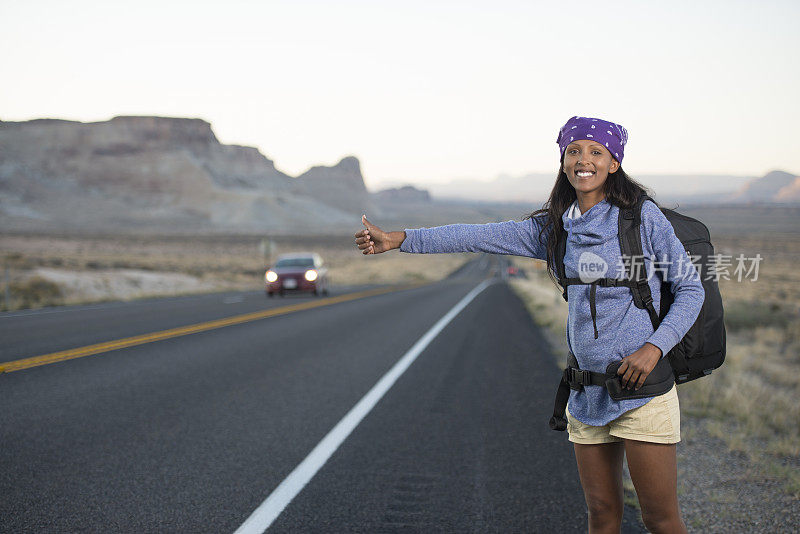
{"type": "Point", "coordinates": [646, 294]}
{"type": "Point", "coordinates": [577, 378]}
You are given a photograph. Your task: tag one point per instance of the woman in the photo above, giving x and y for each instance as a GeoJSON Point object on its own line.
{"type": "Point", "coordinates": [590, 189]}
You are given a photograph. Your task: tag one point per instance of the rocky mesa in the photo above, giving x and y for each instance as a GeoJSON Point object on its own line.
{"type": "Point", "coordinates": [161, 174]}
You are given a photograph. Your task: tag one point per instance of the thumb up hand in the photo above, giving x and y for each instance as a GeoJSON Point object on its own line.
{"type": "Point", "coordinates": [372, 240]}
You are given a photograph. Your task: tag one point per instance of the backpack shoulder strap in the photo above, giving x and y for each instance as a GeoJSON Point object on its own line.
{"type": "Point", "coordinates": [560, 252]}
{"type": "Point", "coordinates": [630, 243]}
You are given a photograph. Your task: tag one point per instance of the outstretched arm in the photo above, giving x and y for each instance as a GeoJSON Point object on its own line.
{"type": "Point", "coordinates": [519, 238]}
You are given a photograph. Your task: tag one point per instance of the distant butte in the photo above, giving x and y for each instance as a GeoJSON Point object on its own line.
{"type": "Point", "coordinates": [162, 173]}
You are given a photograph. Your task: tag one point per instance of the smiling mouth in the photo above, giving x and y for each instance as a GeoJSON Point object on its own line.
{"type": "Point", "coordinates": [584, 174]}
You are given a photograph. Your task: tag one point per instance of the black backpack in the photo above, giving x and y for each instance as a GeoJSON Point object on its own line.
{"type": "Point", "coordinates": [700, 351]}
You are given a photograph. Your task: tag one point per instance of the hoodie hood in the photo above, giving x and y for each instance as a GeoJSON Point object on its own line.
{"type": "Point", "coordinates": [593, 227]}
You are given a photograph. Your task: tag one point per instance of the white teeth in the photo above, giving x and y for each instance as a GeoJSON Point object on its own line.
{"type": "Point", "coordinates": [584, 174]}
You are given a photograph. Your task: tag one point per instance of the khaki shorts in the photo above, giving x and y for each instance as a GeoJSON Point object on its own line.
{"type": "Point", "coordinates": [658, 421]}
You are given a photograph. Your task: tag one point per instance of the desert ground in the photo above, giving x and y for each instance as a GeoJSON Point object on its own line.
{"type": "Point", "coordinates": [51, 270]}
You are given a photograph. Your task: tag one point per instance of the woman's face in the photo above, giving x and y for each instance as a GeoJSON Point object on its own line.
{"type": "Point", "coordinates": [585, 156]}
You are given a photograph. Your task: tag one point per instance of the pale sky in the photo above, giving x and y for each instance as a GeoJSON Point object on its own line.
{"type": "Point", "coordinates": [425, 92]}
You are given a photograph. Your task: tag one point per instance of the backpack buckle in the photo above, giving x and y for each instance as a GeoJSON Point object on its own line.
{"type": "Point", "coordinates": [649, 298]}
{"type": "Point", "coordinates": [577, 378]}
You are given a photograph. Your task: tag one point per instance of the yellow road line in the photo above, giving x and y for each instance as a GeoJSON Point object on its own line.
{"type": "Point", "coordinates": [106, 346]}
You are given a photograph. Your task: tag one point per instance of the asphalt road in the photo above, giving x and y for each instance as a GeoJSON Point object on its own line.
{"type": "Point", "coordinates": [193, 433]}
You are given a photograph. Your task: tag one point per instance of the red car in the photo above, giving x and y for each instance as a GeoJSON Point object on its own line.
{"type": "Point", "coordinates": [299, 272]}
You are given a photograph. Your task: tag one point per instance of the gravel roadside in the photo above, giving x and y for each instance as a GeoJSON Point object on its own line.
{"type": "Point", "coordinates": [723, 491]}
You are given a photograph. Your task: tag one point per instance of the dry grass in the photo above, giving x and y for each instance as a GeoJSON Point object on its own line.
{"type": "Point", "coordinates": [752, 402]}
{"type": "Point", "coordinates": [393, 267]}
{"type": "Point", "coordinates": [79, 270]}
{"type": "Point", "coordinates": [35, 291]}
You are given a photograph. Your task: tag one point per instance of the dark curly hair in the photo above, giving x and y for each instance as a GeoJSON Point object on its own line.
{"type": "Point", "coordinates": [620, 190]}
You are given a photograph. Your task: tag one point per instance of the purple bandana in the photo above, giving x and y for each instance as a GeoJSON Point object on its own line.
{"type": "Point", "coordinates": [611, 135]}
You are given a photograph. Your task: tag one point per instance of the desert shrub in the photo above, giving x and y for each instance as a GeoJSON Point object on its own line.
{"type": "Point", "coordinates": [746, 315]}
{"type": "Point", "coordinates": [35, 291]}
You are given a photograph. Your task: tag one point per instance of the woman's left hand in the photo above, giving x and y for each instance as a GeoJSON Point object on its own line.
{"type": "Point", "coordinates": [637, 366]}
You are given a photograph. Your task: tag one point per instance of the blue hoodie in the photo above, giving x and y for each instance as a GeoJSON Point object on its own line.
{"type": "Point", "coordinates": [622, 327]}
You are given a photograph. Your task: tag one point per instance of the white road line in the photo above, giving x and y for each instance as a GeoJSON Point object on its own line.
{"type": "Point", "coordinates": [279, 499]}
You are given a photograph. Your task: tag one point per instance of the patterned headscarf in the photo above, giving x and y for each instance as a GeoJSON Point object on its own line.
{"type": "Point", "coordinates": [611, 135]}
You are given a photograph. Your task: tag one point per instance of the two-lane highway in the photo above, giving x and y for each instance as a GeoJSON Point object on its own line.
{"type": "Point", "coordinates": [192, 432]}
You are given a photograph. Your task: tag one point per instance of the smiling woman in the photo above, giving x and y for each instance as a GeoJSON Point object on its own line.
{"type": "Point", "coordinates": [604, 328]}
{"type": "Point", "coordinates": [587, 165]}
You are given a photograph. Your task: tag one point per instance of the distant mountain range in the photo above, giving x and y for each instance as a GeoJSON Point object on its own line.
{"type": "Point", "coordinates": [160, 174]}
{"type": "Point", "coordinates": [775, 187]}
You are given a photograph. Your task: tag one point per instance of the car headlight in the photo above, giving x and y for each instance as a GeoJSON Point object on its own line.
{"type": "Point", "coordinates": [311, 275]}
{"type": "Point", "coordinates": [271, 276]}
